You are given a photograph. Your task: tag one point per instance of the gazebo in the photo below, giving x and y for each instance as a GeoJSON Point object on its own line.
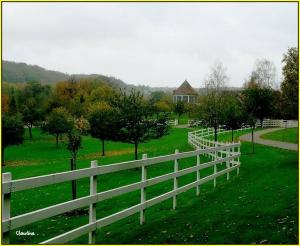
{"type": "Point", "coordinates": [185, 93]}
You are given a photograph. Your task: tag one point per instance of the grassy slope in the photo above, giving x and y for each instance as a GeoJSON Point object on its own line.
{"type": "Point", "coordinates": [260, 204]}
{"type": "Point", "coordinates": [285, 135]}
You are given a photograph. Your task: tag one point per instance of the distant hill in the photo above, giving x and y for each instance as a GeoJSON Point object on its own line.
{"type": "Point", "coordinates": [20, 72]}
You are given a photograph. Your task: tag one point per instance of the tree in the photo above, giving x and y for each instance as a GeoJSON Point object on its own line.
{"type": "Point", "coordinates": [32, 99]}
{"type": "Point", "coordinates": [58, 122]}
{"type": "Point", "coordinates": [12, 131]}
{"type": "Point", "coordinates": [258, 101]}
{"type": "Point", "coordinates": [133, 125]}
{"type": "Point", "coordinates": [73, 145]}
{"type": "Point", "coordinates": [233, 114]}
{"type": "Point", "coordinates": [179, 109]}
{"type": "Point", "coordinates": [213, 100]}
{"type": "Point", "coordinates": [102, 122]}
{"type": "Point", "coordinates": [289, 86]}
{"type": "Point", "coordinates": [264, 73]}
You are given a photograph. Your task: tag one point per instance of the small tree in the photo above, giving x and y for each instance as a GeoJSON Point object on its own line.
{"type": "Point", "coordinates": [258, 101]}
{"type": "Point", "coordinates": [31, 99]}
{"type": "Point", "coordinates": [233, 113]}
{"type": "Point", "coordinates": [73, 145]}
{"type": "Point", "coordinates": [133, 125]}
{"type": "Point", "coordinates": [179, 109]}
{"type": "Point", "coordinates": [58, 122]}
{"type": "Point", "coordinates": [213, 100]}
{"type": "Point", "coordinates": [102, 123]}
{"type": "Point", "coordinates": [12, 131]}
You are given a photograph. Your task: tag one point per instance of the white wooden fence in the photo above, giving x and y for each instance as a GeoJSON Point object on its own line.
{"type": "Point", "coordinates": [230, 157]}
{"type": "Point", "coordinates": [277, 123]}
{"type": "Point", "coordinates": [173, 122]}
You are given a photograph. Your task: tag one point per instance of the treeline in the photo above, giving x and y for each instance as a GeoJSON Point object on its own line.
{"type": "Point", "coordinates": [78, 107]}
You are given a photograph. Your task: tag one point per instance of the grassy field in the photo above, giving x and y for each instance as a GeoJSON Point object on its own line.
{"type": "Point", "coordinates": [259, 205]}
{"type": "Point", "coordinates": [285, 135]}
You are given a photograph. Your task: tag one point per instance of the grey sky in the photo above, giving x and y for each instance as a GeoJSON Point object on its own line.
{"type": "Point", "coordinates": [156, 44]}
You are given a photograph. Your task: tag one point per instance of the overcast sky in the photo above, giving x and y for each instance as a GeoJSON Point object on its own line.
{"type": "Point", "coordinates": [156, 44]}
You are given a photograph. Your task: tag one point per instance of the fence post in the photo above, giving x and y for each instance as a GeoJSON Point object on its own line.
{"type": "Point", "coordinates": [175, 179]}
{"type": "Point", "coordinates": [227, 162]}
{"type": "Point", "coordinates": [239, 152]}
{"type": "Point", "coordinates": [215, 168]}
{"type": "Point", "coordinates": [143, 190]}
{"type": "Point", "coordinates": [6, 177]}
{"type": "Point", "coordinates": [198, 174]}
{"type": "Point", "coordinates": [92, 211]}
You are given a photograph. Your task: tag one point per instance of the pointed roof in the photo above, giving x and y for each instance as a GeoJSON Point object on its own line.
{"type": "Point", "coordinates": [185, 89]}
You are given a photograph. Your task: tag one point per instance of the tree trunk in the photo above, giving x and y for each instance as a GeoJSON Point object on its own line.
{"type": "Point", "coordinates": [261, 122]}
{"type": "Point", "coordinates": [57, 135]}
{"type": "Point", "coordinates": [73, 167]}
{"type": "Point", "coordinates": [135, 150]}
{"type": "Point", "coordinates": [216, 134]}
{"type": "Point", "coordinates": [103, 151]}
{"type": "Point", "coordinates": [30, 130]}
{"type": "Point", "coordinates": [252, 141]}
{"type": "Point", "coordinates": [231, 134]}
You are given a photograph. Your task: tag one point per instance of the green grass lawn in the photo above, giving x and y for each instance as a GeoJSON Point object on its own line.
{"type": "Point", "coordinates": [259, 204]}
{"type": "Point", "coordinates": [284, 135]}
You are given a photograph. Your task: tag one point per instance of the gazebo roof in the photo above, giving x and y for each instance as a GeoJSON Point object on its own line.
{"type": "Point", "coordinates": [185, 89]}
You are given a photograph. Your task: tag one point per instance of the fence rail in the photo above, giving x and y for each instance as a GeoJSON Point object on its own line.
{"type": "Point", "coordinates": [277, 123]}
{"type": "Point", "coordinates": [231, 158]}
{"type": "Point", "coordinates": [173, 122]}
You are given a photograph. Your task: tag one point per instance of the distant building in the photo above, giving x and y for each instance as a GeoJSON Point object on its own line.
{"type": "Point", "coordinates": [185, 93]}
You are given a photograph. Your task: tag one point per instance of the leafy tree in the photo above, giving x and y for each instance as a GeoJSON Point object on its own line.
{"type": "Point", "coordinates": [12, 131]}
{"type": "Point", "coordinates": [179, 109]}
{"type": "Point", "coordinates": [103, 123]}
{"type": "Point", "coordinates": [213, 101]}
{"type": "Point", "coordinates": [5, 103]}
{"type": "Point", "coordinates": [58, 122]}
{"type": "Point", "coordinates": [258, 101]}
{"type": "Point", "coordinates": [73, 145]}
{"type": "Point", "coordinates": [264, 73]}
{"type": "Point", "coordinates": [233, 113]}
{"type": "Point", "coordinates": [161, 107]}
{"type": "Point", "coordinates": [289, 86]}
{"type": "Point", "coordinates": [12, 105]}
{"type": "Point", "coordinates": [32, 98]}
{"type": "Point", "coordinates": [133, 125]}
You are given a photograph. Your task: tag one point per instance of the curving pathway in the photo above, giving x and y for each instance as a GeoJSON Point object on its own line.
{"type": "Point", "coordinates": [277, 144]}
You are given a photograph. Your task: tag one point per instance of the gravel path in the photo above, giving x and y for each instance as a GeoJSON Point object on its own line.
{"type": "Point", "coordinates": [278, 144]}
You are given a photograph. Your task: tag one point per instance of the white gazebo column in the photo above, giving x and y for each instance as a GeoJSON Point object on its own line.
{"type": "Point", "coordinates": [188, 98]}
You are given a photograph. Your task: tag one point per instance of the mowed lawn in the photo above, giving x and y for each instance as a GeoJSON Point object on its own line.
{"type": "Point", "coordinates": [284, 135]}
{"type": "Point", "coordinates": [258, 206]}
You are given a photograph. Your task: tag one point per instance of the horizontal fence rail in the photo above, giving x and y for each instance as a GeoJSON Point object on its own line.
{"type": "Point", "coordinates": [227, 154]}
{"type": "Point", "coordinates": [277, 123]}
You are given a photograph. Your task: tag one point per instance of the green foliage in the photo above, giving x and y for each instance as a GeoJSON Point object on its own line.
{"type": "Point", "coordinates": [289, 86]}
{"type": "Point", "coordinates": [133, 123]}
{"type": "Point", "coordinates": [179, 108]}
{"type": "Point", "coordinates": [74, 142]}
{"type": "Point", "coordinates": [233, 113]}
{"type": "Point", "coordinates": [258, 101]}
{"type": "Point", "coordinates": [102, 119]}
{"type": "Point", "coordinates": [31, 101]}
{"type": "Point", "coordinates": [12, 130]}
{"type": "Point", "coordinates": [59, 121]}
